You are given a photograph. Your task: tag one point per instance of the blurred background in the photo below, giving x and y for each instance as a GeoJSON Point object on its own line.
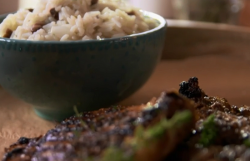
{"type": "Point", "coordinates": [235, 12]}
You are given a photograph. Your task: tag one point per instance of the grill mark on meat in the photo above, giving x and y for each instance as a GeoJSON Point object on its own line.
{"type": "Point", "coordinates": [8, 33]}
{"type": "Point", "coordinates": [54, 14]}
{"type": "Point", "coordinates": [112, 127]}
{"type": "Point", "coordinates": [14, 152]}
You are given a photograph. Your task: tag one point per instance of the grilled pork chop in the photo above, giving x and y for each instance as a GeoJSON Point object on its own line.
{"type": "Point", "coordinates": [142, 133]}
{"type": "Point", "coordinates": [221, 132]}
{"type": "Point", "coordinates": [189, 126]}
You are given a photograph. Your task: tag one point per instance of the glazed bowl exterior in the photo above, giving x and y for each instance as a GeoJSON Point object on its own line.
{"type": "Point", "coordinates": [56, 76]}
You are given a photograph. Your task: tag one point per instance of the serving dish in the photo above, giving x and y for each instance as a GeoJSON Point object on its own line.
{"type": "Point", "coordinates": [56, 76]}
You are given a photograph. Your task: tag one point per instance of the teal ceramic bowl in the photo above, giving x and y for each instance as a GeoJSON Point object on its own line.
{"type": "Point", "coordinates": [56, 76]}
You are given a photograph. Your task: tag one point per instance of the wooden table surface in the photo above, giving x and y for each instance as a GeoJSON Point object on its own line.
{"type": "Point", "coordinates": [225, 72]}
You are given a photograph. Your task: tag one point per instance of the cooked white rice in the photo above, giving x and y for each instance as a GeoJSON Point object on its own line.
{"type": "Point", "coordinates": [62, 20]}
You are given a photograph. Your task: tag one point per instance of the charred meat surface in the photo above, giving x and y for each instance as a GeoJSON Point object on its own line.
{"type": "Point", "coordinates": [191, 89]}
{"type": "Point", "coordinates": [143, 133]}
{"type": "Point", "coordinates": [184, 126]}
{"type": "Point", "coordinates": [221, 132]}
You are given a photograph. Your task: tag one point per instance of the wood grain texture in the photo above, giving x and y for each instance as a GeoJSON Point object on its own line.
{"type": "Point", "coordinates": [18, 119]}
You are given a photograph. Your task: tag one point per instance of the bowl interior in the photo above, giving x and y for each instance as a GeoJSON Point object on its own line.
{"type": "Point", "coordinates": [162, 23]}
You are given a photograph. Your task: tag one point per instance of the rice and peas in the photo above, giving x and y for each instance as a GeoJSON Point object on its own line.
{"type": "Point", "coordinates": [62, 20]}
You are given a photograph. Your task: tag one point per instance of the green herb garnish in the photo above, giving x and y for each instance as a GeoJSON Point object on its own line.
{"type": "Point", "coordinates": [115, 107]}
{"type": "Point", "coordinates": [114, 153]}
{"type": "Point", "coordinates": [247, 143]}
{"type": "Point", "coordinates": [209, 132]}
{"type": "Point", "coordinates": [145, 137]}
{"type": "Point", "coordinates": [80, 115]}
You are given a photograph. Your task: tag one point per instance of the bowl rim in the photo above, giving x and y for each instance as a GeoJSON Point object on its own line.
{"type": "Point", "coordinates": [162, 24]}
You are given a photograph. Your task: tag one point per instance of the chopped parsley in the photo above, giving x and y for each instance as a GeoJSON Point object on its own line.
{"type": "Point", "coordinates": [247, 143]}
{"type": "Point", "coordinates": [114, 153]}
{"type": "Point", "coordinates": [209, 132]}
{"type": "Point", "coordinates": [145, 137]}
{"type": "Point", "coordinates": [79, 115]}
